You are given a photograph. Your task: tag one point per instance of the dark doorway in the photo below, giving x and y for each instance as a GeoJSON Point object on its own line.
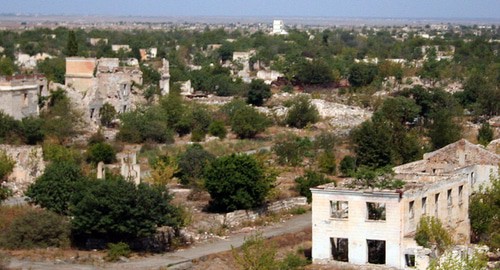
{"type": "Point", "coordinates": [340, 249]}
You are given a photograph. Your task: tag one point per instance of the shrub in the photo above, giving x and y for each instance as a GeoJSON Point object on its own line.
{"type": "Point", "coordinates": [101, 152]}
{"type": "Point", "coordinates": [115, 251]}
{"type": "Point", "coordinates": [247, 122]}
{"type": "Point", "coordinates": [348, 166]}
{"type": "Point", "coordinates": [217, 129]}
{"type": "Point", "coordinates": [485, 134]}
{"type": "Point", "coordinates": [291, 149]}
{"type": "Point", "coordinates": [302, 112]}
{"type": "Point", "coordinates": [308, 180]}
{"type": "Point", "coordinates": [37, 229]}
{"type": "Point", "coordinates": [256, 253]}
{"type": "Point", "coordinates": [237, 182]}
{"type": "Point", "coordinates": [430, 232]}
{"type": "Point", "coordinates": [107, 113]}
{"type": "Point", "coordinates": [6, 167]}
{"type": "Point", "coordinates": [192, 164]}
{"type": "Point", "coordinates": [327, 163]}
{"type": "Point", "coordinates": [258, 93]}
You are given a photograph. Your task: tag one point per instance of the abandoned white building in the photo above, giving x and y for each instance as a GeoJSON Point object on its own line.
{"type": "Point", "coordinates": [362, 225]}
{"type": "Point", "coordinates": [279, 28]}
{"type": "Point", "coordinates": [19, 95]}
{"type": "Point", "coordinates": [102, 80]}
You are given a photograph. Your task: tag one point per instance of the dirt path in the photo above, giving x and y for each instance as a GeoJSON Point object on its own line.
{"type": "Point", "coordinates": [294, 224]}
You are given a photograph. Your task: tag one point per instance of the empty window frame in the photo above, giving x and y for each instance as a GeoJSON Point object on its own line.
{"type": "Point", "coordinates": [376, 211]}
{"type": "Point", "coordinates": [339, 209]}
{"type": "Point", "coordinates": [436, 204]}
{"type": "Point", "coordinates": [340, 249]}
{"type": "Point", "coordinates": [460, 194]}
{"type": "Point", "coordinates": [376, 251]}
{"type": "Point", "coordinates": [424, 205]}
{"type": "Point", "coordinates": [411, 209]}
{"type": "Point", "coordinates": [449, 198]}
{"type": "Point", "coordinates": [410, 260]}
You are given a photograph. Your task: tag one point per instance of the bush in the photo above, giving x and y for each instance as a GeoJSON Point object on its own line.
{"type": "Point", "coordinates": [259, 91]}
{"type": "Point", "coordinates": [6, 167]}
{"type": "Point", "coordinates": [107, 113]}
{"type": "Point", "coordinates": [101, 152]}
{"type": "Point", "coordinates": [485, 134]}
{"type": "Point", "coordinates": [430, 232]}
{"type": "Point", "coordinates": [308, 180]}
{"type": "Point", "coordinates": [291, 149]}
{"type": "Point", "coordinates": [237, 182]}
{"type": "Point", "coordinates": [217, 129]}
{"type": "Point", "coordinates": [115, 251]}
{"type": "Point", "coordinates": [348, 166]}
{"type": "Point", "coordinates": [192, 164]}
{"type": "Point", "coordinates": [327, 163]}
{"type": "Point", "coordinates": [37, 229]}
{"type": "Point", "coordinates": [301, 112]}
{"type": "Point", "coordinates": [247, 122]}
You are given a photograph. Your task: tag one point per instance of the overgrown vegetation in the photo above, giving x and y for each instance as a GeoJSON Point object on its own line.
{"type": "Point", "coordinates": [484, 213]}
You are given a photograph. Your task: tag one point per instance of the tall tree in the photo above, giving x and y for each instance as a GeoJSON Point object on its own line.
{"type": "Point", "coordinates": [72, 45]}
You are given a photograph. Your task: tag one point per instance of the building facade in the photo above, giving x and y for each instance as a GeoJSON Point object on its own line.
{"type": "Point", "coordinates": [19, 95]}
{"type": "Point", "coordinates": [369, 226]}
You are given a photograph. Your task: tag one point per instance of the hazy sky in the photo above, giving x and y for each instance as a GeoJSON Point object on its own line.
{"type": "Point", "coordinates": [323, 8]}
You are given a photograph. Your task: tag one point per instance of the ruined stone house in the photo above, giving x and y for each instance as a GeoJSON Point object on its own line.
{"type": "Point", "coordinates": [101, 81]}
{"type": "Point", "coordinates": [368, 226]}
{"type": "Point", "coordinates": [19, 95]}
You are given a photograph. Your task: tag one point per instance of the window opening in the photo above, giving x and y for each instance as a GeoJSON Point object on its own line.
{"type": "Point", "coordinates": [376, 211]}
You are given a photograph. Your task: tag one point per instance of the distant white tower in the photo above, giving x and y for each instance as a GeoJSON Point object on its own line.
{"type": "Point", "coordinates": [165, 78]}
{"type": "Point", "coordinates": [279, 28]}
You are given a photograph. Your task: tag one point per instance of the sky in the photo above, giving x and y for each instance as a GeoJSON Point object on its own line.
{"type": "Point", "coordinates": [456, 9]}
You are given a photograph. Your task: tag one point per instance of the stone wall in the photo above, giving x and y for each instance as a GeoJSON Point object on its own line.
{"type": "Point", "coordinates": [29, 166]}
{"type": "Point", "coordinates": [238, 217]}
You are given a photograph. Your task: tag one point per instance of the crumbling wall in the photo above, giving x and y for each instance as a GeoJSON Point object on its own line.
{"type": "Point", "coordinates": [238, 217]}
{"type": "Point", "coordinates": [29, 166]}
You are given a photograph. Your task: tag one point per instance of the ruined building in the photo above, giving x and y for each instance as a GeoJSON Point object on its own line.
{"type": "Point", "coordinates": [101, 81]}
{"type": "Point", "coordinates": [19, 95]}
{"type": "Point", "coordinates": [362, 225]}
{"type": "Point", "coordinates": [165, 78]}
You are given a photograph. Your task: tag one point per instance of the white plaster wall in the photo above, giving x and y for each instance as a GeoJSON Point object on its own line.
{"type": "Point", "coordinates": [356, 228]}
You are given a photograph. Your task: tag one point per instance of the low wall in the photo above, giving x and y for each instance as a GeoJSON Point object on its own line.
{"type": "Point", "coordinates": [238, 217]}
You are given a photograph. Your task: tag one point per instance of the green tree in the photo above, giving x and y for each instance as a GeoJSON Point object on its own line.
{"type": "Point", "coordinates": [314, 73]}
{"type": "Point", "coordinates": [117, 210]}
{"type": "Point", "coordinates": [101, 152]}
{"type": "Point", "coordinates": [192, 164]}
{"type": "Point", "coordinates": [107, 114]}
{"type": "Point", "coordinates": [53, 68]}
{"type": "Point", "coordinates": [72, 45]}
{"type": "Point", "coordinates": [237, 182]}
{"type": "Point", "coordinates": [444, 130]}
{"type": "Point", "coordinates": [247, 122]}
{"type": "Point", "coordinates": [485, 134]}
{"type": "Point", "coordinates": [258, 92]}
{"type": "Point", "coordinates": [484, 213]}
{"type": "Point", "coordinates": [372, 142]}
{"type": "Point", "coordinates": [6, 166]}
{"type": "Point", "coordinates": [475, 261]}
{"type": "Point", "coordinates": [308, 180]}
{"type": "Point", "coordinates": [362, 74]}
{"type": "Point", "coordinates": [301, 112]}
{"type": "Point", "coordinates": [60, 182]}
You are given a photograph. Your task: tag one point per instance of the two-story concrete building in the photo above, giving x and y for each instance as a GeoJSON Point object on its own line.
{"type": "Point", "coordinates": [19, 95]}
{"type": "Point", "coordinates": [360, 225]}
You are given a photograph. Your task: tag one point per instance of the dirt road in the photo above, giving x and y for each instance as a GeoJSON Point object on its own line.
{"type": "Point", "coordinates": [294, 224]}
